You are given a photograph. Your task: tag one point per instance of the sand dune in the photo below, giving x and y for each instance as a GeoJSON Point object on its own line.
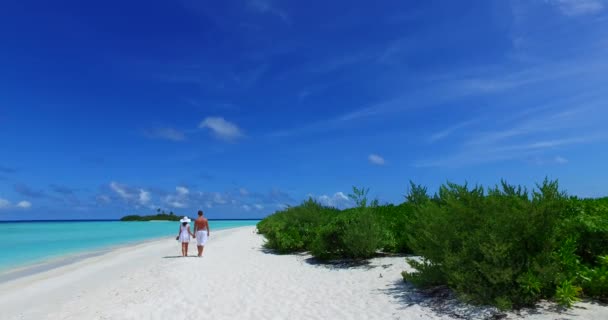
{"type": "Point", "coordinates": [235, 280]}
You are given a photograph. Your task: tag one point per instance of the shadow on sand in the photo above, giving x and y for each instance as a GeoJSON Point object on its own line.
{"type": "Point", "coordinates": [340, 264]}
{"type": "Point", "coordinates": [174, 257]}
{"type": "Point", "coordinates": [440, 300]}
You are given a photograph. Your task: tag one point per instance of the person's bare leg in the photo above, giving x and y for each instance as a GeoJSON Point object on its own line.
{"type": "Point", "coordinates": [186, 250]}
{"type": "Point", "coordinates": [200, 250]}
{"type": "Point", "coordinates": [183, 249]}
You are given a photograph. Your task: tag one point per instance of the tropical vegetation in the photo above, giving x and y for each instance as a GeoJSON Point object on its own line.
{"type": "Point", "coordinates": [505, 245]}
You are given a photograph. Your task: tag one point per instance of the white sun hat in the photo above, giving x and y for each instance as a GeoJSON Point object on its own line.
{"type": "Point", "coordinates": [185, 219]}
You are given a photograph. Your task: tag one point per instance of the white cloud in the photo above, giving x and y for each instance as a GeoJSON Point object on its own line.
{"type": "Point", "coordinates": [180, 199]}
{"type": "Point", "coordinates": [177, 204]}
{"type": "Point", "coordinates": [24, 204]}
{"type": "Point", "coordinates": [244, 192]}
{"type": "Point", "coordinates": [578, 7]}
{"type": "Point", "coordinates": [121, 190]}
{"type": "Point", "coordinates": [258, 206]}
{"type": "Point", "coordinates": [560, 160]}
{"type": "Point", "coordinates": [144, 196]}
{"type": "Point", "coordinates": [4, 203]}
{"type": "Point", "coordinates": [218, 198]}
{"type": "Point", "coordinates": [337, 200]}
{"type": "Point", "coordinates": [376, 159]}
{"type": "Point", "coordinates": [182, 190]}
{"type": "Point", "coordinates": [132, 196]}
{"type": "Point", "coordinates": [221, 128]}
{"type": "Point", "coordinates": [166, 134]}
{"type": "Point", "coordinates": [246, 207]}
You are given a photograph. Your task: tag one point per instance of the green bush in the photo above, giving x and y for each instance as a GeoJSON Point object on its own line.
{"type": "Point", "coordinates": [490, 248]}
{"type": "Point", "coordinates": [293, 229]}
{"type": "Point", "coordinates": [507, 247]}
{"type": "Point", "coordinates": [393, 221]}
{"type": "Point", "coordinates": [329, 233]}
{"type": "Point", "coordinates": [595, 279]}
{"type": "Point", "coordinates": [503, 245]}
{"type": "Point", "coordinates": [354, 234]}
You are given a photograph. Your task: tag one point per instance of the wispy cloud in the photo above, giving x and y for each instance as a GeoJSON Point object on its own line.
{"type": "Point", "coordinates": [268, 7]}
{"type": "Point", "coordinates": [450, 130]}
{"type": "Point", "coordinates": [578, 7]}
{"type": "Point", "coordinates": [560, 160]}
{"type": "Point", "coordinates": [182, 190]}
{"type": "Point", "coordinates": [501, 152]}
{"type": "Point", "coordinates": [181, 198]}
{"type": "Point", "coordinates": [4, 203]}
{"type": "Point", "coordinates": [165, 134]}
{"type": "Point", "coordinates": [132, 196]}
{"type": "Point", "coordinates": [376, 159]}
{"type": "Point", "coordinates": [120, 190]}
{"type": "Point", "coordinates": [221, 128]}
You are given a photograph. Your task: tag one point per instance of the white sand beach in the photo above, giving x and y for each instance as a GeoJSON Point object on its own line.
{"type": "Point", "coordinates": [235, 279]}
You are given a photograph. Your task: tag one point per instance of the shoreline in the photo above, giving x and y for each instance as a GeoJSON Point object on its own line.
{"type": "Point", "coordinates": [31, 268]}
{"type": "Point", "coordinates": [46, 264]}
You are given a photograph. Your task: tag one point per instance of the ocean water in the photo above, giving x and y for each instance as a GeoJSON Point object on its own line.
{"type": "Point", "coordinates": [24, 243]}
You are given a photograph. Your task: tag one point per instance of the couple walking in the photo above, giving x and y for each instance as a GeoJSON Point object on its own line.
{"type": "Point", "coordinates": [201, 233]}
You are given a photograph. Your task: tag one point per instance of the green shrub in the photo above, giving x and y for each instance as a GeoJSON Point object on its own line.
{"type": "Point", "coordinates": [489, 247]}
{"type": "Point", "coordinates": [353, 234]}
{"type": "Point", "coordinates": [294, 229]}
{"type": "Point", "coordinates": [567, 293]}
{"type": "Point", "coordinates": [595, 279]}
{"type": "Point", "coordinates": [393, 221]}
{"type": "Point", "coordinates": [362, 235]}
{"type": "Point", "coordinates": [503, 246]}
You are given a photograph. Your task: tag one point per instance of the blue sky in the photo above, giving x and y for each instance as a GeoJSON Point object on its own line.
{"type": "Point", "coordinates": [242, 107]}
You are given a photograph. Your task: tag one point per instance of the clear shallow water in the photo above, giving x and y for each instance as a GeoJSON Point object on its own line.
{"type": "Point", "coordinates": [24, 243]}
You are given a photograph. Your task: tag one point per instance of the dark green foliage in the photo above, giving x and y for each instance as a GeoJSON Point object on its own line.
{"type": "Point", "coordinates": [352, 234]}
{"type": "Point", "coordinates": [294, 229]}
{"type": "Point", "coordinates": [595, 280]}
{"type": "Point", "coordinates": [393, 221]}
{"type": "Point", "coordinates": [156, 217]}
{"type": "Point", "coordinates": [329, 233]}
{"type": "Point", "coordinates": [507, 247]}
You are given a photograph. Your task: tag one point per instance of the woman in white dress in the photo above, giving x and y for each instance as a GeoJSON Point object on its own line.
{"type": "Point", "coordinates": [184, 235]}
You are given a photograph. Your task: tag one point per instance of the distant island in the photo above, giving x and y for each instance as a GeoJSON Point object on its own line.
{"type": "Point", "coordinates": [160, 216]}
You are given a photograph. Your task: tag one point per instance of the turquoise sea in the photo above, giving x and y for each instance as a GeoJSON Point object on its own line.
{"type": "Point", "coordinates": [24, 243]}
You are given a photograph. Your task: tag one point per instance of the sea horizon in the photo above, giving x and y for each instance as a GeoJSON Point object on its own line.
{"type": "Point", "coordinates": [111, 220]}
{"type": "Point", "coordinates": [25, 243]}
